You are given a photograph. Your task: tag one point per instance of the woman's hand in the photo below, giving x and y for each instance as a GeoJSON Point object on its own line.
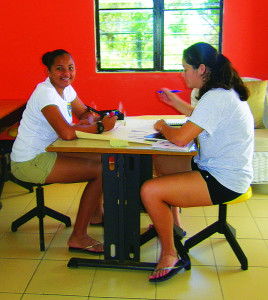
{"type": "Point", "coordinates": [158, 126]}
{"type": "Point", "coordinates": [109, 122]}
{"type": "Point", "coordinates": [168, 97]}
{"type": "Point", "coordinates": [84, 122]}
{"type": "Point", "coordinates": [176, 102]}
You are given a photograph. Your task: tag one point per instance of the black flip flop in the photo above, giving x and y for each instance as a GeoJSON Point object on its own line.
{"type": "Point", "coordinates": [86, 249]}
{"type": "Point", "coordinates": [181, 264]}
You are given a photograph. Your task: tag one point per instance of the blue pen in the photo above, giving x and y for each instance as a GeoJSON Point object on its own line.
{"type": "Point", "coordinates": [172, 91]}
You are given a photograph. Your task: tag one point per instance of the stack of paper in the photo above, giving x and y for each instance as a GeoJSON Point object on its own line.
{"type": "Point", "coordinates": [170, 146]}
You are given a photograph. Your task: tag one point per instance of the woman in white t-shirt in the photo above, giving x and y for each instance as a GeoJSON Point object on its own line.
{"type": "Point", "coordinates": [48, 116]}
{"type": "Point", "coordinates": [224, 127]}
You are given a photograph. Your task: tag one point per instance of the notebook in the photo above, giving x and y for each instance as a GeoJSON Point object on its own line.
{"type": "Point", "coordinates": [157, 136]}
{"type": "Point", "coordinates": [176, 122]}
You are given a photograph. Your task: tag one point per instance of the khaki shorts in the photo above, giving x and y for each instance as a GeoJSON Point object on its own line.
{"type": "Point", "coordinates": [35, 170]}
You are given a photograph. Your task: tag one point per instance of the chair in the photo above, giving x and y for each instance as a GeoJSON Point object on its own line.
{"type": "Point", "coordinates": [221, 226]}
{"type": "Point", "coordinates": [40, 211]}
{"type": "Point", "coordinates": [5, 150]}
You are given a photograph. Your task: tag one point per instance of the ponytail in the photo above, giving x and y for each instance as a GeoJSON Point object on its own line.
{"type": "Point", "coordinates": [220, 73]}
{"type": "Point", "coordinates": [49, 57]}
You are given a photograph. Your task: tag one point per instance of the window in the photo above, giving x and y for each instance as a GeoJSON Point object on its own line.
{"type": "Point", "coordinates": [150, 35]}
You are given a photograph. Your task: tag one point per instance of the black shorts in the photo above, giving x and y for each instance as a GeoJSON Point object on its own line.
{"type": "Point", "coordinates": [218, 192]}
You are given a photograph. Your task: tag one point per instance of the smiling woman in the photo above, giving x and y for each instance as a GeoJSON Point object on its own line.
{"type": "Point", "coordinates": [60, 68]}
{"type": "Point", "coordinates": [48, 116]}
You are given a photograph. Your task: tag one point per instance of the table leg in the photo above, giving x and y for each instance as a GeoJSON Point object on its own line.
{"type": "Point", "coordinates": [123, 175]}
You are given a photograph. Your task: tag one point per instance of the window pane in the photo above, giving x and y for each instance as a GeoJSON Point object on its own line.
{"type": "Point", "coordinates": [183, 28]}
{"type": "Point", "coordinates": [126, 39]}
{"type": "Point", "coordinates": [186, 4]}
{"type": "Point", "coordinates": [125, 4]}
{"type": "Point", "coordinates": [152, 34]}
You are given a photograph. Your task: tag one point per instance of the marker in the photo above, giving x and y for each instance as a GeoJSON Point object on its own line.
{"type": "Point", "coordinates": [172, 91]}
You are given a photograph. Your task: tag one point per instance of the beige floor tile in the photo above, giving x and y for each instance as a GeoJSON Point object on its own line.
{"type": "Point", "coordinates": [51, 225]}
{"type": "Point", "coordinates": [211, 211]}
{"type": "Point", "coordinates": [16, 273]}
{"type": "Point", "coordinates": [10, 296]}
{"type": "Point", "coordinates": [53, 280]}
{"type": "Point", "coordinates": [245, 227]}
{"type": "Point", "coordinates": [192, 212]}
{"type": "Point", "coordinates": [122, 283]}
{"type": "Point", "coordinates": [255, 251]}
{"type": "Point", "coordinates": [192, 225]}
{"type": "Point", "coordinates": [199, 283]}
{"type": "Point", "coordinates": [148, 252]}
{"type": "Point", "coordinates": [262, 224]}
{"type": "Point", "coordinates": [17, 203]}
{"type": "Point", "coordinates": [258, 208]}
{"type": "Point", "coordinates": [237, 210]}
{"type": "Point", "coordinates": [250, 284]}
{"type": "Point", "coordinates": [58, 249]}
{"type": "Point", "coordinates": [202, 254]}
{"type": "Point", "coordinates": [21, 245]}
{"type": "Point", "coordinates": [11, 188]}
{"type": "Point", "coordinates": [52, 297]}
{"type": "Point", "coordinates": [58, 190]}
{"type": "Point", "coordinates": [5, 221]}
{"type": "Point", "coordinates": [54, 277]}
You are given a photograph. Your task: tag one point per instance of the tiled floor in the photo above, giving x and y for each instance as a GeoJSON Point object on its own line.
{"type": "Point", "coordinates": [28, 274]}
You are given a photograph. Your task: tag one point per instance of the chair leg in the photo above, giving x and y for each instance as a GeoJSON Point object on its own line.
{"type": "Point", "coordinates": [23, 219]}
{"type": "Point", "coordinates": [26, 185]}
{"type": "Point", "coordinates": [236, 247]}
{"type": "Point", "coordinates": [40, 211]}
{"type": "Point", "coordinates": [148, 235]}
{"type": "Point", "coordinates": [58, 216]}
{"type": "Point", "coordinates": [4, 170]}
{"type": "Point", "coordinates": [201, 236]}
{"type": "Point", "coordinates": [221, 226]}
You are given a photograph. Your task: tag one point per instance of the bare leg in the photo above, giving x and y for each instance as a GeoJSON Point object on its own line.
{"type": "Point", "coordinates": [165, 165]}
{"type": "Point", "coordinates": [176, 216]}
{"type": "Point", "coordinates": [97, 217]}
{"type": "Point", "coordinates": [72, 168]}
{"type": "Point", "coordinates": [186, 189]}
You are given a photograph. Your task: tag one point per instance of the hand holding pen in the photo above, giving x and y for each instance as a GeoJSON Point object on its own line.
{"type": "Point", "coordinates": [171, 91]}
{"type": "Point", "coordinates": [168, 96]}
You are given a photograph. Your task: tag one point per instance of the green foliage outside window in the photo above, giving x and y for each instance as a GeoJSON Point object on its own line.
{"type": "Point", "coordinates": [150, 35]}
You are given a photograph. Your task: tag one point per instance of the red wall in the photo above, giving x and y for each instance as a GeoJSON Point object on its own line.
{"type": "Point", "coordinates": [28, 31]}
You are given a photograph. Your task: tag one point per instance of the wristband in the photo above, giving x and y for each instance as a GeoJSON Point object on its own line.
{"type": "Point", "coordinates": [100, 127]}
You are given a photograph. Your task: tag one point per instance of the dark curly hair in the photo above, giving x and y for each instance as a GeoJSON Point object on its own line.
{"type": "Point", "coordinates": [220, 73]}
{"type": "Point", "coordinates": [49, 57]}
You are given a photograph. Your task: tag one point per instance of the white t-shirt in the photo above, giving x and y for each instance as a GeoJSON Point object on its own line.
{"type": "Point", "coordinates": [35, 133]}
{"type": "Point", "coordinates": [227, 142]}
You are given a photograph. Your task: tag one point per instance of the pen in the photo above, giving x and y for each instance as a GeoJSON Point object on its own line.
{"type": "Point", "coordinates": [93, 109]}
{"type": "Point", "coordinates": [172, 91]}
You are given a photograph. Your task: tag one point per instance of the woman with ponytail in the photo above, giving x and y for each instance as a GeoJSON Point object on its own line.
{"type": "Point", "coordinates": [223, 125]}
{"type": "Point", "coordinates": [48, 116]}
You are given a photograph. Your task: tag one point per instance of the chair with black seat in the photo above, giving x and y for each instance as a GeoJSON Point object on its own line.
{"type": "Point", "coordinates": [40, 211]}
{"type": "Point", "coordinates": [5, 150]}
{"type": "Point", "coordinates": [221, 226]}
